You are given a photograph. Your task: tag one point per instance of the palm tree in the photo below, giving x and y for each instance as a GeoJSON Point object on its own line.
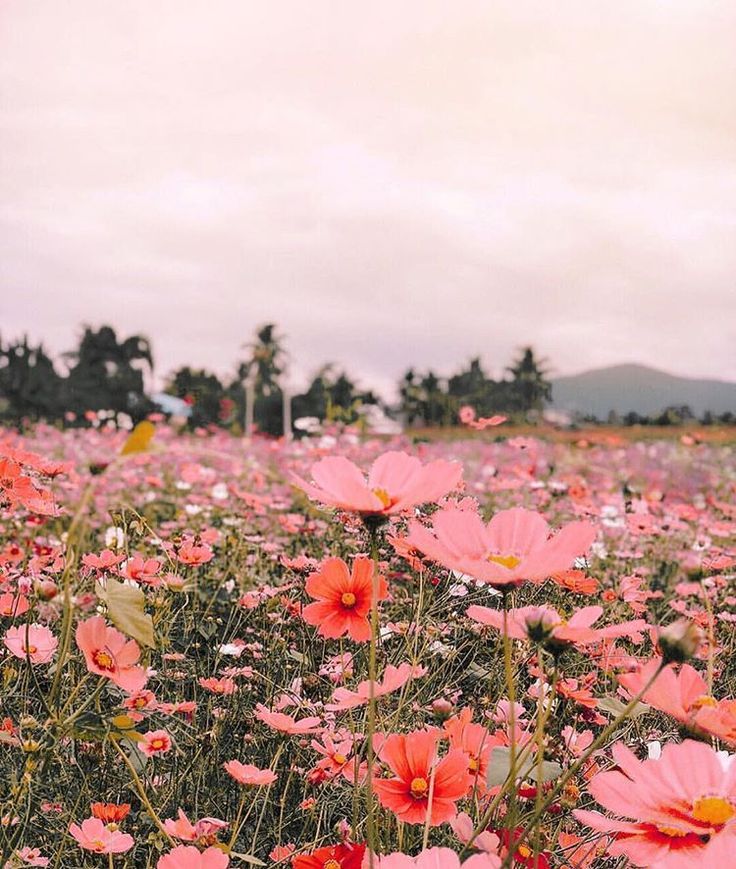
{"type": "Point", "coordinates": [529, 381]}
{"type": "Point", "coordinates": [267, 358]}
{"type": "Point", "coordinates": [261, 373]}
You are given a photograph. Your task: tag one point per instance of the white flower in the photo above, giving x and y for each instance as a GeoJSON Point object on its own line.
{"type": "Point", "coordinates": [219, 491]}
{"type": "Point", "coordinates": [114, 538]}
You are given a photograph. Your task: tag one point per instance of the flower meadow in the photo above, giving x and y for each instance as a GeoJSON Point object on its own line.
{"type": "Point", "coordinates": [347, 652]}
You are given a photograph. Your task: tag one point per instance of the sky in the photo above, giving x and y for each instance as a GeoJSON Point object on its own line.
{"type": "Point", "coordinates": [392, 183]}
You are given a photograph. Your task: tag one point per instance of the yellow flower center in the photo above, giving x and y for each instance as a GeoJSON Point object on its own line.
{"type": "Point", "coordinates": [524, 851]}
{"type": "Point", "coordinates": [348, 599]}
{"type": "Point", "coordinates": [158, 744]}
{"type": "Point", "coordinates": [30, 650]}
{"type": "Point", "coordinates": [104, 660]}
{"type": "Point", "coordinates": [705, 700]}
{"type": "Point", "coordinates": [473, 765]}
{"type": "Point", "coordinates": [384, 497]}
{"type": "Point", "coordinates": [510, 561]}
{"type": "Point", "coordinates": [713, 810]}
{"type": "Point", "coordinates": [339, 758]}
{"type": "Point", "coordinates": [330, 864]}
{"type": "Point", "coordinates": [419, 787]}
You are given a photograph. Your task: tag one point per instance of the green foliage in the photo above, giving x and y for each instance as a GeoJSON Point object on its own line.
{"type": "Point", "coordinates": [29, 384]}
{"type": "Point", "coordinates": [429, 401]}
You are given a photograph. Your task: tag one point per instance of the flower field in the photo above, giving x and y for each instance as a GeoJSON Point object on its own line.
{"type": "Point", "coordinates": [343, 652]}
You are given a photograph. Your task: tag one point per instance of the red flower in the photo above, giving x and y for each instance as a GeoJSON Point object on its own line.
{"type": "Point", "coordinates": [334, 857]}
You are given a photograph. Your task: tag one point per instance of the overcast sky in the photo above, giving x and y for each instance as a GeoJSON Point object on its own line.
{"type": "Point", "coordinates": [393, 183]}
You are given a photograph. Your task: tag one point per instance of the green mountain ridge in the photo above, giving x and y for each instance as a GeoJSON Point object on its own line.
{"type": "Point", "coordinates": [638, 388]}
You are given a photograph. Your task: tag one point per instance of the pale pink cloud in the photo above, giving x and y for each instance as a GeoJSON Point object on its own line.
{"type": "Point", "coordinates": [392, 183]}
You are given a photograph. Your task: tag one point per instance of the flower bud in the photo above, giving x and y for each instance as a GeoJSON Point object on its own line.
{"type": "Point", "coordinates": [679, 641]}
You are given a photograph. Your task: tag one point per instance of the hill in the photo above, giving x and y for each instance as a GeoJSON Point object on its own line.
{"type": "Point", "coordinates": [637, 388]}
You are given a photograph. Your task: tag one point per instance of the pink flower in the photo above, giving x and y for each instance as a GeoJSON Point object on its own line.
{"type": "Point", "coordinates": [514, 546]}
{"type": "Point", "coordinates": [396, 482]}
{"type": "Point", "coordinates": [543, 624]}
{"type": "Point", "coordinates": [281, 852]}
{"type": "Point", "coordinates": [219, 686]}
{"type": "Point", "coordinates": [110, 653]}
{"type": "Point", "coordinates": [143, 570]}
{"type": "Point", "coordinates": [33, 642]}
{"type": "Point", "coordinates": [462, 826]}
{"type": "Point", "coordinates": [93, 835]}
{"type": "Point", "coordinates": [194, 554]}
{"type": "Point", "coordinates": [285, 723]}
{"type": "Point", "coordinates": [393, 679]}
{"type": "Point", "coordinates": [189, 857]}
{"type": "Point", "coordinates": [29, 857]}
{"type": "Point", "coordinates": [247, 774]}
{"type": "Point", "coordinates": [437, 858]}
{"type": "Point", "coordinates": [155, 742]}
{"type": "Point", "coordinates": [182, 828]}
{"type": "Point", "coordinates": [13, 605]}
{"type": "Point", "coordinates": [684, 695]}
{"type": "Point", "coordinates": [682, 804]}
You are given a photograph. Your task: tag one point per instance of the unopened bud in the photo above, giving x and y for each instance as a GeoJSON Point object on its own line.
{"type": "Point", "coordinates": [442, 708]}
{"type": "Point", "coordinates": [679, 641]}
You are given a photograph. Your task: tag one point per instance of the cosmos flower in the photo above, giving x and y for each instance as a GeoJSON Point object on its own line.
{"type": "Point", "coordinates": [412, 758]}
{"type": "Point", "coordinates": [247, 774]}
{"type": "Point", "coordinates": [681, 804]}
{"type": "Point", "coordinates": [514, 546]}
{"type": "Point", "coordinates": [35, 643]}
{"type": "Point", "coordinates": [393, 679]}
{"type": "Point", "coordinates": [110, 653]}
{"type": "Point", "coordinates": [396, 482]}
{"type": "Point", "coordinates": [343, 598]}
{"type": "Point", "coordinates": [94, 835]}
{"type": "Point", "coordinates": [437, 858]}
{"type": "Point", "coordinates": [543, 624]}
{"type": "Point", "coordinates": [189, 857]}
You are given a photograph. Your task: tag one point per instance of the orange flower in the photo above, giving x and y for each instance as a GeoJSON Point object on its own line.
{"type": "Point", "coordinates": [110, 813]}
{"type": "Point", "coordinates": [413, 759]}
{"type": "Point", "coordinates": [343, 599]}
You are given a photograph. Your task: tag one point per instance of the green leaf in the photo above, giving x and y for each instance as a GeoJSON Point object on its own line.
{"type": "Point", "coordinates": [550, 771]}
{"type": "Point", "coordinates": [248, 858]}
{"type": "Point", "coordinates": [614, 707]}
{"type": "Point", "coordinates": [126, 608]}
{"type": "Point", "coordinates": [499, 767]}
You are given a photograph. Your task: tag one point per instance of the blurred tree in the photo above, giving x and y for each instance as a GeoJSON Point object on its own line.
{"type": "Point", "coordinates": [264, 367]}
{"type": "Point", "coordinates": [530, 384]}
{"type": "Point", "coordinates": [203, 392]}
{"type": "Point", "coordinates": [30, 386]}
{"type": "Point", "coordinates": [106, 374]}
{"type": "Point", "coordinates": [333, 396]}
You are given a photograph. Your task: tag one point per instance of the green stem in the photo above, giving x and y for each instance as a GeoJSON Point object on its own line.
{"type": "Point", "coordinates": [574, 769]}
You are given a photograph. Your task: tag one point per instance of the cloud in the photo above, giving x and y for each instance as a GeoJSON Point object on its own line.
{"type": "Point", "coordinates": [392, 184]}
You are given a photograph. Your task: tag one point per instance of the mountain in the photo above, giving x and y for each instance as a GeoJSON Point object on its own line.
{"type": "Point", "coordinates": [637, 388]}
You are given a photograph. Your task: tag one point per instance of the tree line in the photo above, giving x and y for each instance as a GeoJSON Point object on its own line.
{"type": "Point", "coordinates": [108, 373]}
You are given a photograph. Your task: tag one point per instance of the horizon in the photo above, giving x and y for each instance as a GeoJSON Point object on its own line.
{"type": "Point", "coordinates": [389, 186]}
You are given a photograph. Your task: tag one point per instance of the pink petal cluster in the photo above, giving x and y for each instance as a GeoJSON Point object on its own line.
{"type": "Point", "coordinates": [396, 482]}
